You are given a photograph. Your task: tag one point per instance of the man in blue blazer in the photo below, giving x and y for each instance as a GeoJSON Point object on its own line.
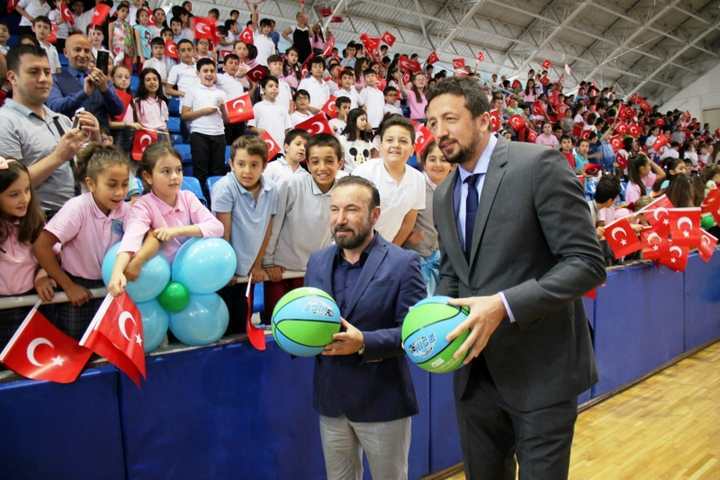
{"type": "Point", "coordinates": [78, 85]}
{"type": "Point", "coordinates": [363, 391]}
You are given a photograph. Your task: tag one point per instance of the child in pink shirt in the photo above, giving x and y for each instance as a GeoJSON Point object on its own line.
{"type": "Point", "coordinates": [166, 217]}
{"type": "Point", "coordinates": [86, 227]}
{"type": "Point", "coordinates": [21, 220]}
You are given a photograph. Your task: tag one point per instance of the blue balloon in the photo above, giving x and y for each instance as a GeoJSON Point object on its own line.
{"type": "Point", "coordinates": [155, 322]}
{"type": "Point", "coordinates": [154, 276]}
{"type": "Point", "coordinates": [202, 322]}
{"type": "Point", "coordinates": [204, 265]}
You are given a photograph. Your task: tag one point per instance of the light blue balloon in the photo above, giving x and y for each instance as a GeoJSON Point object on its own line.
{"type": "Point", "coordinates": [154, 276]}
{"type": "Point", "coordinates": [155, 322]}
{"type": "Point", "coordinates": [204, 265]}
{"type": "Point", "coordinates": [202, 322]}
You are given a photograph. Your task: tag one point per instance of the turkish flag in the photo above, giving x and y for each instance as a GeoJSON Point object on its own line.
{"type": "Point", "coordinates": [621, 129]}
{"type": "Point", "coordinates": [143, 139]}
{"type": "Point", "coordinates": [272, 146]}
{"type": "Point", "coordinates": [318, 123]}
{"type": "Point", "coordinates": [423, 137]}
{"type": "Point", "coordinates": [458, 62]}
{"type": "Point", "coordinates": [11, 5]}
{"type": "Point", "coordinates": [257, 73]}
{"type": "Point", "coordinates": [656, 214]}
{"type": "Point", "coordinates": [480, 56]}
{"type": "Point", "coordinates": [538, 108]}
{"type": "Point", "coordinates": [675, 258]}
{"type": "Point", "coordinates": [171, 49]}
{"type": "Point", "coordinates": [255, 335]}
{"type": "Point", "coordinates": [660, 142]}
{"type": "Point", "coordinates": [711, 204]}
{"type": "Point", "coordinates": [325, 11]}
{"type": "Point", "coordinates": [516, 85]}
{"type": "Point", "coordinates": [616, 142]}
{"type": "Point", "coordinates": [621, 238]}
{"type": "Point", "coordinates": [685, 226]}
{"type": "Point", "coordinates": [634, 130]}
{"type": "Point", "coordinates": [330, 109]}
{"type": "Point", "coordinates": [240, 109]}
{"type": "Point", "coordinates": [432, 58]}
{"type": "Point", "coordinates": [546, 65]}
{"type": "Point", "coordinates": [517, 122]}
{"type": "Point", "coordinates": [388, 38]}
{"type": "Point", "coordinates": [40, 351]}
{"type": "Point", "coordinates": [336, 19]}
{"type": "Point", "coordinates": [66, 14]}
{"type": "Point", "coordinates": [654, 246]}
{"type": "Point", "coordinates": [116, 333]}
{"type": "Point", "coordinates": [371, 43]}
{"type": "Point", "coordinates": [531, 136]}
{"type": "Point", "coordinates": [407, 65]}
{"type": "Point", "coordinates": [495, 120]}
{"type": "Point", "coordinates": [707, 246]}
{"type": "Point", "coordinates": [100, 14]}
{"type": "Point", "coordinates": [247, 36]}
{"type": "Point", "coordinates": [204, 27]}
{"type": "Point", "coordinates": [52, 38]}
{"type": "Point", "coordinates": [329, 45]}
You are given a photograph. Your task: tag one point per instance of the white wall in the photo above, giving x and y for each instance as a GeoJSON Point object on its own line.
{"type": "Point", "coordinates": [702, 94]}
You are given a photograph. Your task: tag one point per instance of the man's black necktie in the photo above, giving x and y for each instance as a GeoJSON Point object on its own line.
{"type": "Point", "coordinates": [471, 206]}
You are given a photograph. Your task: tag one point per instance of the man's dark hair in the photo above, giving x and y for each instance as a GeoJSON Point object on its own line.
{"type": "Point", "coordinates": [13, 56]}
{"type": "Point", "coordinates": [475, 99]}
{"type": "Point", "coordinates": [354, 180]}
{"type": "Point", "coordinates": [607, 188]}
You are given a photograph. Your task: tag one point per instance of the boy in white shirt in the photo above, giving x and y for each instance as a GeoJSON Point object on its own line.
{"type": "Point", "coordinates": [347, 88]}
{"type": "Point", "coordinates": [228, 80]}
{"type": "Point", "coordinates": [315, 85]}
{"type": "Point", "coordinates": [342, 105]}
{"type": "Point", "coordinates": [285, 167]}
{"type": "Point", "coordinates": [182, 76]}
{"type": "Point", "coordinates": [302, 108]}
{"type": "Point", "coordinates": [42, 28]}
{"type": "Point", "coordinates": [269, 115]}
{"type": "Point", "coordinates": [372, 99]}
{"type": "Point", "coordinates": [392, 101]}
{"type": "Point", "coordinates": [285, 95]}
{"type": "Point", "coordinates": [157, 61]}
{"type": "Point", "coordinates": [263, 42]}
{"type": "Point", "coordinates": [204, 110]}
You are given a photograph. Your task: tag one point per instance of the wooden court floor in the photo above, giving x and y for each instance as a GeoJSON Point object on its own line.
{"type": "Point", "coordinates": [666, 427]}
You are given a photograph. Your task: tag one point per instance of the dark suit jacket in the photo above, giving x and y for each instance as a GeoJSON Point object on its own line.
{"type": "Point", "coordinates": [534, 241]}
{"type": "Point", "coordinates": [374, 387]}
{"type": "Point", "coordinates": [67, 96]}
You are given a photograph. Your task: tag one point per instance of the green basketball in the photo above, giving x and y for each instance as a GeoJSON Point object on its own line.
{"type": "Point", "coordinates": [304, 321]}
{"type": "Point", "coordinates": [424, 333]}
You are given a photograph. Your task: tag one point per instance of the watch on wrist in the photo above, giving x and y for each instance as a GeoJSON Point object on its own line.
{"type": "Point", "coordinates": [362, 350]}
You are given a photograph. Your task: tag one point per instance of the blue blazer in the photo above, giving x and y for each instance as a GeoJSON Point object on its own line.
{"type": "Point", "coordinates": [375, 386]}
{"type": "Point", "coordinates": [67, 96]}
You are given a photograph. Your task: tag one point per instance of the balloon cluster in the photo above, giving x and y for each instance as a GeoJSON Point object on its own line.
{"type": "Point", "coordinates": [182, 296]}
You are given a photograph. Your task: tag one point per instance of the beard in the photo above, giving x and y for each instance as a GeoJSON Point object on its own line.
{"type": "Point", "coordinates": [462, 155]}
{"type": "Point", "coordinates": [353, 241]}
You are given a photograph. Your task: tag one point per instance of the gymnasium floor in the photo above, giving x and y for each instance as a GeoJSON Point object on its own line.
{"type": "Point", "coordinates": [667, 427]}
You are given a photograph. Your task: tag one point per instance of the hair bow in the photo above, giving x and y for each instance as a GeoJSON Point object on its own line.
{"type": "Point", "coordinates": [5, 163]}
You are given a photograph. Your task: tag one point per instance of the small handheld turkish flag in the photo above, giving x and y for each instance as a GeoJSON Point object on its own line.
{"type": "Point", "coordinates": [329, 45]}
{"type": "Point", "coordinates": [330, 109]}
{"type": "Point", "coordinates": [171, 49]}
{"type": "Point", "coordinates": [675, 258]}
{"type": "Point", "coordinates": [458, 62]}
{"type": "Point", "coordinates": [240, 109]}
{"type": "Point", "coordinates": [656, 214]}
{"type": "Point", "coordinates": [272, 146]}
{"type": "Point", "coordinates": [480, 56]}
{"type": "Point", "coordinates": [432, 58]}
{"type": "Point", "coordinates": [52, 38]}
{"type": "Point", "coordinates": [204, 27]}
{"type": "Point", "coordinates": [318, 123]}
{"type": "Point", "coordinates": [621, 238]}
{"type": "Point", "coordinates": [538, 108]}
{"type": "Point", "coordinates": [143, 139]}
{"type": "Point", "coordinates": [531, 136]}
{"type": "Point", "coordinates": [685, 226]}
{"type": "Point", "coordinates": [495, 120]}
{"type": "Point", "coordinates": [66, 14]}
{"type": "Point", "coordinates": [255, 335]}
{"type": "Point", "coordinates": [247, 37]}
{"type": "Point", "coordinates": [546, 65]}
{"type": "Point", "coordinates": [654, 246]}
{"type": "Point", "coordinates": [517, 122]}
{"type": "Point", "coordinates": [371, 43]}
{"type": "Point", "coordinates": [257, 73]}
{"type": "Point", "coordinates": [661, 141]}
{"type": "Point", "coordinates": [711, 204]}
{"type": "Point", "coordinates": [423, 137]}
{"type": "Point", "coordinates": [634, 130]}
{"type": "Point", "coordinates": [116, 333]}
{"type": "Point", "coordinates": [407, 65]}
{"type": "Point", "coordinates": [40, 351]}
{"type": "Point", "coordinates": [707, 246]}
{"type": "Point", "coordinates": [388, 38]}
{"type": "Point", "coordinates": [100, 14]}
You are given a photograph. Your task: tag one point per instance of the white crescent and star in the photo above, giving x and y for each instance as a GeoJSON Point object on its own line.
{"type": "Point", "coordinates": [122, 319]}
{"type": "Point", "coordinates": [679, 253]}
{"type": "Point", "coordinates": [202, 28]}
{"type": "Point", "coordinates": [613, 233]}
{"type": "Point", "coordinates": [682, 221]}
{"type": "Point", "coordinates": [238, 104]}
{"type": "Point", "coordinates": [316, 127]}
{"type": "Point", "coordinates": [30, 352]}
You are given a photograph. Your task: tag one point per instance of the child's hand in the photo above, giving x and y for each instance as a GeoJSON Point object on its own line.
{"type": "Point", "coordinates": [259, 275]}
{"type": "Point", "coordinates": [274, 273]}
{"type": "Point", "coordinates": [211, 110]}
{"type": "Point", "coordinates": [415, 237]}
{"type": "Point", "coordinates": [77, 295]}
{"type": "Point", "coordinates": [132, 271]}
{"type": "Point", "coordinates": [164, 234]}
{"type": "Point", "coordinates": [136, 126]}
{"type": "Point", "coordinates": [45, 288]}
{"type": "Point", "coordinates": [117, 284]}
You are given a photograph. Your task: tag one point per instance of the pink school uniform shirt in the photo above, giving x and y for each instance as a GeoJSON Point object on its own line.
{"type": "Point", "coordinates": [149, 212]}
{"type": "Point", "coordinates": [17, 265]}
{"type": "Point", "coordinates": [85, 234]}
{"type": "Point", "coordinates": [417, 109]}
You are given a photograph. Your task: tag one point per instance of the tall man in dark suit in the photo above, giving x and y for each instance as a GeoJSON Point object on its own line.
{"type": "Point", "coordinates": [518, 246]}
{"type": "Point", "coordinates": [78, 85]}
{"type": "Point", "coordinates": [363, 391]}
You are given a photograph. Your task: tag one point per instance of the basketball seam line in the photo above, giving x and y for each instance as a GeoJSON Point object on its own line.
{"type": "Point", "coordinates": [300, 298]}
{"type": "Point", "coordinates": [429, 324]}
{"type": "Point", "coordinates": [300, 343]}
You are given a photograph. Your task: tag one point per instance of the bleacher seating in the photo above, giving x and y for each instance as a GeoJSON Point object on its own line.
{"type": "Point", "coordinates": [174, 106]}
{"type": "Point", "coordinates": [211, 181]}
{"type": "Point", "coordinates": [174, 125]}
{"type": "Point", "coordinates": [192, 184]}
{"type": "Point", "coordinates": [184, 150]}
{"type": "Point", "coordinates": [134, 83]}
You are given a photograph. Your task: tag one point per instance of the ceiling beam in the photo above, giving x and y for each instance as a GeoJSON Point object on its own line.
{"type": "Point", "coordinates": [465, 19]}
{"type": "Point", "coordinates": [422, 25]}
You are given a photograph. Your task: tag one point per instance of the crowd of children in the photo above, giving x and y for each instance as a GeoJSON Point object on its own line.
{"type": "Point", "coordinates": [275, 210]}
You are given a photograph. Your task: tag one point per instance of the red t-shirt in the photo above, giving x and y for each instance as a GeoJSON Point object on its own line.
{"type": "Point", "coordinates": [570, 156]}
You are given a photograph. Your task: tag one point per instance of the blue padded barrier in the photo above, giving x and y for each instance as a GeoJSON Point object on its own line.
{"type": "Point", "coordinates": [62, 431]}
{"type": "Point", "coordinates": [445, 442]}
{"type": "Point", "coordinates": [702, 301]}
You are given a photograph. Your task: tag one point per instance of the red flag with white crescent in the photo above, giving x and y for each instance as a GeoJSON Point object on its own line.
{"type": "Point", "coordinates": [685, 226]}
{"type": "Point", "coordinates": [246, 36]}
{"type": "Point", "coordinates": [546, 65]}
{"type": "Point", "coordinates": [143, 139]}
{"type": "Point", "coordinates": [52, 38]}
{"type": "Point", "coordinates": [388, 38]}
{"type": "Point", "coordinates": [654, 246]}
{"type": "Point", "coordinates": [423, 137]}
{"type": "Point", "coordinates": [621, 238]}
{"type": "Point", "coordinates": [657, 214]}
{"type": "Point", "coordinates": [272, 146]}
{"type": "Point", "coordinates": [708, 244]}
{"type": "Point", "coordinates": [318, 123]}
{"type": "Point", "coordinates": [40, 351]}
{"type": "Point", "coordinates": [116, 333]}
{"type": "Point", "coordinates": [256, 336]}
{"type": "Point", "coordinates": [171, 49]}
{"type": "Point", "coordinates": [240, 109]}
{"type": "Point", "coordinates": [675, 258]}
{"type": "Point", "coordinates": [257, 73]}
{"type": "Point", "coordinates": [204, 27]}
{"type": "Point", "coordinates": [458, 62]}
{"type": "Point", "coordinates": [711, 204]}
{"type": "Point", "coordinates": [100, 14]}
{"type": "Point", "coordinates": [330, 109]}
{"type": "Point", "coordinates": [432, 58]}
{"type": "Point", "coordinates": [66, 14]}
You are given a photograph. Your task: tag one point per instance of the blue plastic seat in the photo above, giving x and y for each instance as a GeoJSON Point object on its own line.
{"type": "Point", "coordinates": [174, 125]}
{"type": "Point", "coordinates": [193, 184]}
{"type": "Point", "coordinates": [176, 138]}
{"type": "Point", "coordinates": [211, 181]}
{"type": "Point", "coordinates": [174, 106]}
{"type": "Point", "coordinates": [228, 152]}
{"type": "Point", "coordinates": [184, 150]}
{"type": "Point", "coordinates": [134, 83]}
